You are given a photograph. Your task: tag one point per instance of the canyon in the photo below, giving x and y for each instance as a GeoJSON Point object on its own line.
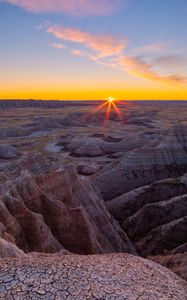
{"type": "Point", "coordinates": [93, 207]}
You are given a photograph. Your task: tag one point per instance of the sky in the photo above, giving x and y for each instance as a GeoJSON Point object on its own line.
{"type": "Point", "coordinates": [93, 49]}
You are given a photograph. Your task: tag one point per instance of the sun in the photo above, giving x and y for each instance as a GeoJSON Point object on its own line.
{"type": "Point", "coordinates": [111, 99]}
{"type": "Point", "coordinates": [111, 106]}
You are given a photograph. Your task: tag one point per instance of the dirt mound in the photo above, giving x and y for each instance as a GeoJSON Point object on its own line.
{"type": "Point", "coordinates": [115, 276]}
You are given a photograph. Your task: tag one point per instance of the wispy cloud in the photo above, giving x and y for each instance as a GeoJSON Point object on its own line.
{"type": "Point", "coordinates": [78, 52]}
{"type": "Point", "coordinates": [102, 61]}
{"type": "Point", "coordinates": [150, 49]}
{"type": "Point", "coordinates": [58, 46]}
{"type": "Point", "coordinates": [136, 66]}
{"type": "Point", "coordinates": [170, 60]}
{"type": "Point", "coordinates": [70, 7]}
{"type": "Point", "coordinates": [103, 44]}
{"type": "Point", "coordinates": [109, 51]}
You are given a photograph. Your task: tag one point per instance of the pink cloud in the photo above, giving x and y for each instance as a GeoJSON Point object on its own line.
{"type": "Point", "coordinates": [139, 68]}
{"type": "Point", "coordinates": [104, 61]}
{"type": "Point", "coordinates": [103, 44]}
{"type": "Point", "coordinates": [170, 61]}
{"type": "Point", "coordinates": [78, 52]}
{"type": "Point", "coordinates": [109, 50]}
{"type": "Point", "coordinates": [72, 7]}
{"type": "Point", "coordinates": [58, 46]}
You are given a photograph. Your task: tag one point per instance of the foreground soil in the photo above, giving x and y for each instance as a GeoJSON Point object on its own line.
{"type": "Point", "coordinates": [112, 276]}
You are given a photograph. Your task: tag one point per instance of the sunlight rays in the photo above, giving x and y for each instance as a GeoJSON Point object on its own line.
{"type": "Point", "coordinates": [118, 111]}
{"type": "Point", "coordinates": [111, 106]}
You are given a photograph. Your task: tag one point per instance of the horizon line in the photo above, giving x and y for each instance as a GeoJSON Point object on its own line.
{"type": "Point", "coordinates": [66, 100]}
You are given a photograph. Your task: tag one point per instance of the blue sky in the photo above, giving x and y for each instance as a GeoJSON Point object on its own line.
{"type": "Point", "coordinates": [59, 51]}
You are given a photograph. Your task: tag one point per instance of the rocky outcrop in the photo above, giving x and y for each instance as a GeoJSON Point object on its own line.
{"type": "Point", "coordinates": [7, 245]}
{"type": "Point", "coordinates": [57, 210]}
{"type": "Point", "coordinates": [175, 262]}
{"type": "Point", "coordinates": [36, 164]}
{"type": "Point", "coordinates": [99, 145]}
{"type": "Point", "coordinates": [129, 203]}
{"type": "Point", "coordinates": [5, 235]}
{"type": "Point", "coordinates": [164, 237]}
{"type": "Point", "coordinates": [180, 249]}
{"type": "Point", "coordinates": [154, 215]}
{"type": "Point", "coordinates": [114, 276]}
{"type": "Point", "coordinates": [8, 249]}
{"type": "Point", "coordinates": [87, 170]}
{"type": "Point", "coordinates": [164, 157]}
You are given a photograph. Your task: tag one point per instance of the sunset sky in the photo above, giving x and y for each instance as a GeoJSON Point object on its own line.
{"type": "Point", "coordinates": [93, 49]}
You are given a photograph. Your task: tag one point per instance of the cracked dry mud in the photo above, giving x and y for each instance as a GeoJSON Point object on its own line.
{"type": "Point", "coordinates": [113, 276]}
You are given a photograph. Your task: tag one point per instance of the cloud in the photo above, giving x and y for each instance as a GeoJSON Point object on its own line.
{"type": "Point", "coordinates": [109, 50]}
{"type": "Point", "coordinates": [138, 67]}
{"type": "Point", "coordinates": [150, 49]}
{"type": "Point", "coordinates": [78, 52]}
{"type": "Point", "coordinates": [69, 7]}
{"type": "Point", "coordinates": [102, 61]}
{"type": "Point", "coordinates": [103, 44]}
{"type": "Point", "coordinates": [170, 60]}
{"type": "Point", "coordinates": [58, 46]}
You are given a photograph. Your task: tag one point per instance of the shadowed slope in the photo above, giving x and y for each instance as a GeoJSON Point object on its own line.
{"type": "Point", "coordinates": [57, 210]}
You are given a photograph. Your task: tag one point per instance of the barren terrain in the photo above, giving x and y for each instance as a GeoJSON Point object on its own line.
{"type": "Point", "coordinates": [77, 189]}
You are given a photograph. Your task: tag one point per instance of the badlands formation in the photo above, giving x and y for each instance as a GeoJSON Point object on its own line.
{"type": "Point", "coordinates": [93, 208]}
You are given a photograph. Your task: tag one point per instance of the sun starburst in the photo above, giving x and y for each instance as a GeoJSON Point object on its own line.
{"type": "Point", "coordinates": [111, 99]}
{"type": "Point", "coordinates": [111, 106]}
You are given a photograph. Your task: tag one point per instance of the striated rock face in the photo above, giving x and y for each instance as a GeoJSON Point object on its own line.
{"type": "Point", "coordinates": [7, 245]}
{"type": "Point", "coordinates": [8, 249]}
{"type": "Point", "coordinates": [114, 276]}
{"type": "Point", "coordinates": [164, 157]}
{"type": "Point", "coordinates": [36, 164]}
{"type": "Point", "coordinates": [153, 216]}
{"type": "Point", "coordinates": [129, 203]}
{"type": "Point", "coordinates": [175, 262]}
{"type": "Point", "coordinates": [180, 249]}
{"type": "Point", "coordinates": [152, 206]}
{"type": "Point", "coordinates": [49, 212]}
{"type": "Point", "coordinates": [164, 237]}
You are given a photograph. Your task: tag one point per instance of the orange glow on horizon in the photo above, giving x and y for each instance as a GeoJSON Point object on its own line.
{"type": "Point", "coordinates": [54, 93]}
